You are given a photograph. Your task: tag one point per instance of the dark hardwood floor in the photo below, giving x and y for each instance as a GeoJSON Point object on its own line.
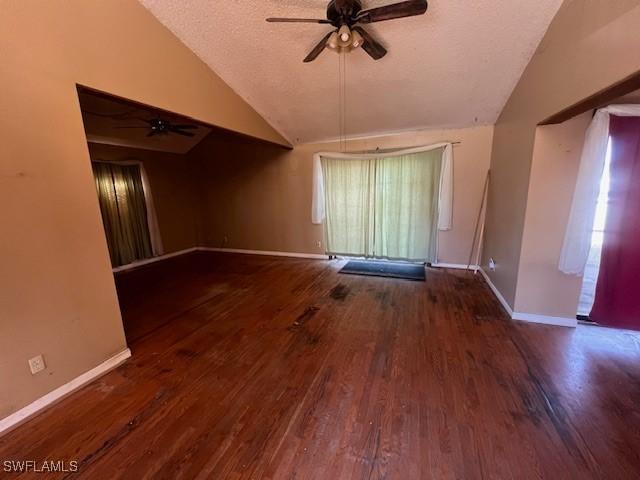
{"type": "Point", "coordinates": [259, 367]}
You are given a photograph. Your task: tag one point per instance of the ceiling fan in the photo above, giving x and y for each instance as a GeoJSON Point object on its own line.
{"type": "Point", "coordinates": [158, 126]}
{"type": "Point", "coordinates": [345, 15]}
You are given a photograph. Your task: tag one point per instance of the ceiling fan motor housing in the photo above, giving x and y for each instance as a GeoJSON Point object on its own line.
{"type": "Point", "coordinates": [342, 12]}
{"type": "Point", "coordinates": [159, 126]}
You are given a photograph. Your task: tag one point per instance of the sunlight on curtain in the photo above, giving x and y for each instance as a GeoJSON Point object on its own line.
{"type": "Point", "coordinates": [406, 206]}
{"type": "Point", "coordinates": [383, 207]}
{"type": "Point", "coordinates": [590, 277]}
{"type": "Point", "coordinates": [348, 190]}
{"type": "Point", "coordinates": [124, 214]}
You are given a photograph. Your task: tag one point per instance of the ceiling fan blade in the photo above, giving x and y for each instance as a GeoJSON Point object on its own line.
{"type": "Point", "coordinates": [396, 10]}
{"type": "Point", "coordinates": [180, 132]}
{"type": "Point", "coordinates": [146, 128]}
{"type": "Point", "coordinates": [185, 127]}
{"type": "Point", "coordinates": [371, 45]}
{"type": "Point", "coordinates": [152, 133]}
{"type": "Point", "coordinates": [318, 49]}
{"type": "Point", "coordinates": [297, 20]}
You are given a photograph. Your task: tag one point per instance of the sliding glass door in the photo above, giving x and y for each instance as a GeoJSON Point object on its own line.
{"type": "Point", "coordinates": [383, 207]}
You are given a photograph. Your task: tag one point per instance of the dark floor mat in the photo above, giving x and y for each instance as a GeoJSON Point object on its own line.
{"type": "Point", "coordinates": [407, 271]}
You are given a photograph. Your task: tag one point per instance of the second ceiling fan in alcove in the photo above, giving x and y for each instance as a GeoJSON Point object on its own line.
{"type": "Point", "coordinates": [346, 15]}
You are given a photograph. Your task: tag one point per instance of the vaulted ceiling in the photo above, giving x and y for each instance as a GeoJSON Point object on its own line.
{"type": "Point", "coordinates": [453, 67]}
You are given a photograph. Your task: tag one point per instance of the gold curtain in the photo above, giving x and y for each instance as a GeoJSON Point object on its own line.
{"type": "Point", "coordinates": [124, 212]}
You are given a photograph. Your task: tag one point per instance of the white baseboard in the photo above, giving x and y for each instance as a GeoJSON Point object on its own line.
{"type": "Point", "coordinates": [457, 266]}
{"type": "Point", "coordinates": [265, 252]}
{"type": "Point", "coordinates": [545, 319]}
{"type": "Point", "coordinates": [497, 293]}
{"type": "Point", "coordinates": [22, 415]}
{"type": "Point", "coordinates": [147, 261]}
{"type": "Point", "coordinates": [528, 317]}
{"type": "Point", "coordinates": [160, 258]}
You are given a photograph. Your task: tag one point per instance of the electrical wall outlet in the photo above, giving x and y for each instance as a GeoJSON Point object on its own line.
{"type": "Point", "coordinates": [225, 240]}
{"type": "Point", "coordinates": [319, 244]}
{"type": "Point", "coordinates": [36, 364]}
{"type": "Point", "coordinates": [492, 264]}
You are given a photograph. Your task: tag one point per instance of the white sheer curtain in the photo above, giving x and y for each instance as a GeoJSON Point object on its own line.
{"type": "Point", "coordinates": [384, 205]}
{"type": "Point", "coordinates": [577, 239]}
{"type": "Point", "coordinates": [349, 229]}
{"type": "Point", "coordinates": [406, 206]}
{"type": "Point", "coordinates": [445, 202]}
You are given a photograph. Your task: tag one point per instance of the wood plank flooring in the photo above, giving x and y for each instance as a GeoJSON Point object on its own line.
{"type": "Point", "coordinates": [260, 367]}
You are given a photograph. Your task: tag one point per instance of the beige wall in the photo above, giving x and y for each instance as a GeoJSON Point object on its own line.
{"type": "Point", "coordinates": [57, 295]}
{"type": "Point", "coordinates": [260, 198]}
{"type": "Point", "coordinates": [542, 288]}
{"type": "Point", "coordinates": [590, 45]}
{"type": "Point", "coordinates": [173, 186]}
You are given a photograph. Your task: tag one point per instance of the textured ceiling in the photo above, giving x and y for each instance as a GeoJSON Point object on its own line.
{"type": "Point", "coordinates": [453, 67]}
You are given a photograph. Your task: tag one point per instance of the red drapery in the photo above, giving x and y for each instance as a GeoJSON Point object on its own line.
{"type": "Point", "coordinates": [617, 300]}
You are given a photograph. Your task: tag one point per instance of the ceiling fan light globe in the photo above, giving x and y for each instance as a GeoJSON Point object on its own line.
{"type": "Point", "coordinates": [345, 34]}
{"type": "Point", "coordinates": [332, 43]}
{"type": "Point", "coordinates": [357, 40]}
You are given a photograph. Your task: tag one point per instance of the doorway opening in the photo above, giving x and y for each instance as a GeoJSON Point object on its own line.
{"type": "Point", "coordinates": [592, 269]}
{"type": "Point", "coordinates": [146, 191]}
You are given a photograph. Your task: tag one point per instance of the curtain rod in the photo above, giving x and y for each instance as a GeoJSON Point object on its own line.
{"type": "Point", "coordinates": [123, 160]}
{"type": "Point", "coordinates": [391, 149]}
{"type": "Point", "coordinates": [121, 163]}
